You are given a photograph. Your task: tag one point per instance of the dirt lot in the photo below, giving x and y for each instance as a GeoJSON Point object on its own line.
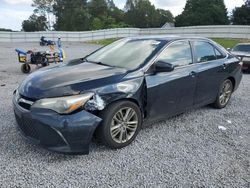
{"type": "Point", "coordinates": [185, 151]}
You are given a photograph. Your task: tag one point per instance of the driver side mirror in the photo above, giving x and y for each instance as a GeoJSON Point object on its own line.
{"type": "Point", "coordinates": [161, 66]}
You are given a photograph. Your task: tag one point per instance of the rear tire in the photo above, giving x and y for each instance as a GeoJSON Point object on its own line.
{"type": "Point", "coordinates": [224, 94]}
{"type": "Point", "coordinates": [25, 68]}
{"type": "Point", "coordinates": [121, 123]}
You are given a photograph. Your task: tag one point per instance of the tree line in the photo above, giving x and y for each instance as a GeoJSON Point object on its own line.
{"type": "Point", "coordinates": [83, 15]}
{"type": "Point", "coordinates": [241, 15]}
{"type": "Point", "coordinates": [212, 12]}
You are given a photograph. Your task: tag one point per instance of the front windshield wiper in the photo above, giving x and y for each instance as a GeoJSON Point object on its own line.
{"type": "Point", "coordinates": [97, 62]}
{"type": "Point", "coordinates": [85, 59]}
{"type": "Point", "coordinates": [100, 63]}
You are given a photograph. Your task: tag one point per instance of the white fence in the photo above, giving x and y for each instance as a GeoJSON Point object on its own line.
{"type": "Point", "coordinates": [230, 31]}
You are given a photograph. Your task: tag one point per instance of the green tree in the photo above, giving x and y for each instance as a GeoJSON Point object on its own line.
{"type": "Point", "coordinates": [98, 8]}
{"type": "Point", "coordinates": [162, 17]}
{"type": "Point", "coordinates": [81, 15]}
{"type": "Point", "coordinates": [141, 13]}
{"type": "Point", "coordinates": [35, 23]}
{"type": "Point", "coordinates": [104, 14]}
{"type": "Point", "coordinates": [117, 14]}
{"type": "Point", "coordinates": [241, 15]}
{"type": "Point", "coordinates": [45, 8]}
{"type": "Point", "coordinates": [116, 17]}
{"type": "Point", "coordinates": [203, 12]}
{"type": "Point", "coordinates": [71, 15]}
{"type": "Point", "coordinates": [96, 24]}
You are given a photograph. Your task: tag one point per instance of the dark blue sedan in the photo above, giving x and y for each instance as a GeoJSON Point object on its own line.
{"type": "Point", "coordinates": [113, 91]}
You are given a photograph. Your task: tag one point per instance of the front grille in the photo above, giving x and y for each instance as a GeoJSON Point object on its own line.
{"type": "Point", "coordinates": [27, 126]}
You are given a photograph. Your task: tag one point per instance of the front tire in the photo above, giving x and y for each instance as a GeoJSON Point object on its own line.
{"type": "Point", "coordinates": [25, 68]}
{"type": "Point", "coordinates": [121, 123]}
{"type": "Point", "coordinates": [224, 94]}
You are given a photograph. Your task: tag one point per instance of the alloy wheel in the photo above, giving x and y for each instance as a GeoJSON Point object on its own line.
{"type": "Point", "coordinates": [124, 125]}
{"type": "Point", "coordinates": [225, 93]}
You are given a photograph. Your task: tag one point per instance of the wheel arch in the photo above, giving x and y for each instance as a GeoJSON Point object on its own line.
{"type": "Point", "coordinates": [131, 99]}
{"type": "Point", "coordinates": [232, 79]}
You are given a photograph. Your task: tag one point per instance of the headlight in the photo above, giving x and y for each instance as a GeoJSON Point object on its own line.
{"type": "Point", "coordinates": [63, 105]}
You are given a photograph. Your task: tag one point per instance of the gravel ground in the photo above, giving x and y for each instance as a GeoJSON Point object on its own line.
{"type": "Point", "coordinates": [185, 151]}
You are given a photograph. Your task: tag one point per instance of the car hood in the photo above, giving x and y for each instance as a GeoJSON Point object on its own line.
{"type": "Point", "coordinates": [68, 79]}
{"type": "Point", "coordinates": [240, 54]}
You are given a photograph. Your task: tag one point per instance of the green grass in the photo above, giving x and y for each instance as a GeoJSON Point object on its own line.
{"type": "Point", "coordinates": [226, 43]}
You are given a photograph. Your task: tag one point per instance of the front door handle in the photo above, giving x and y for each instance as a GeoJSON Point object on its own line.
{"type": "Point", "coordinates": [193, 74]}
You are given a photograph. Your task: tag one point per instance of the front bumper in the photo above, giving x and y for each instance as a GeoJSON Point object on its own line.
{"type": "Point", "coordinates": [59, 133]}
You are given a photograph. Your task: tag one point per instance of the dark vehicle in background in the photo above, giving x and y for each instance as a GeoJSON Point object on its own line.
{"type": "Point", "coordinates": [44, 42]}
{"type": "Point", "coordinates": [113, 91]}
{"type": "Point", "coordinates": [242, 51]}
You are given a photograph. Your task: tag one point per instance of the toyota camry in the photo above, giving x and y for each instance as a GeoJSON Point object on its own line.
{"type": "Point", "coordinates": [113, 91]}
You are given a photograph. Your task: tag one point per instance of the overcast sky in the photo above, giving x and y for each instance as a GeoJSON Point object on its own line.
{"type": "Point", "coordinates": [13, 12]}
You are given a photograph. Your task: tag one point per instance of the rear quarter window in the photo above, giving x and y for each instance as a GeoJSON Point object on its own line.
{"type": "Point", "coordinates": [204, 51]}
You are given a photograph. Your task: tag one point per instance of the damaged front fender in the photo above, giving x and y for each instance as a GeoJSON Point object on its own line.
{"type": "Point", "coordinates": [132, 88]}
{"type": "Point", "coordinates": [96, 103]}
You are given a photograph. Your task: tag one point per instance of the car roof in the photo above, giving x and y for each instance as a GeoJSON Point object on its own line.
{"type": "Point", "coordinates": [170, 38]}
{"type": "Point", "coordinates": [165, 37]}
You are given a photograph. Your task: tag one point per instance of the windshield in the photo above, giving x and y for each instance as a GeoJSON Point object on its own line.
{"type": "Point", "coordinates": [242, 48]}
{"type": "Point", "coordinates": [126, 53]}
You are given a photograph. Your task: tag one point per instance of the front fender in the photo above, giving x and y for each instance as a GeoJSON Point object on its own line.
{"type": "Point", "coordinates": [133, 88]}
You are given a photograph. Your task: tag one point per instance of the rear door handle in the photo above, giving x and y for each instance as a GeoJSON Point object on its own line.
{"type": "Point", "coordinates": [193, 74]}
